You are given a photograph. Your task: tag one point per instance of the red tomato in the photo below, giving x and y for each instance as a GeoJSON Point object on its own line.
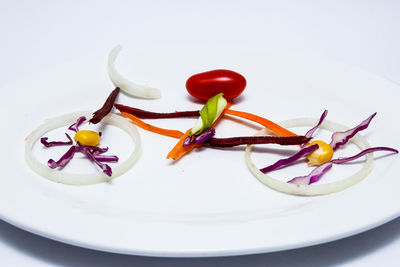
{"type": "Point", "coordinates": [208, 84]}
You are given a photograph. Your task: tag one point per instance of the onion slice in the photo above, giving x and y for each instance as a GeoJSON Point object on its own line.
{"type": "Point", "coordinates": [314, 189]}
{"type": "Point", "coordinates": [80, 179]}
{"type": "Point", "coordinates": [124, 84]}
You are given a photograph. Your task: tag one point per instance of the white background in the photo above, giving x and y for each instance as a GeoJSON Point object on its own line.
{"type": "Point", "coordinates": [37, 34]}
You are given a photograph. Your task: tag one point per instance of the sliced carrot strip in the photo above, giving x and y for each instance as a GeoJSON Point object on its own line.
{"type": "Point", "coordinates": [264, 122]}
{"type": "Point", "coordinates": [151, 128]}
{"type": "Point", "coordinates": [177, 114]}
{"type": "Point", "coordinates": [179, 150]}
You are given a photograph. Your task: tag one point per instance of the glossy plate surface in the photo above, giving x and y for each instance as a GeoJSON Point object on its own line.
{"type": "Point", "coordinates": [208, 203]}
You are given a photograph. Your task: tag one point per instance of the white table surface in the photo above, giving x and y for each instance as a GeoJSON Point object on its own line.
{"type": "Point", "coordinates": [37, 34]}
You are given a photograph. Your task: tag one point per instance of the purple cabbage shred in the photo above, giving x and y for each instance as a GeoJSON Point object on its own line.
{"type": "Point", "coordinates": [106, 169]}
{"type": "Point", "coordinates": [94, 149]}
{"type": "Point", "coordinates": [341, 138]}
{"type": "Point", "coordinates": [63, 160]}
{"type": "Point", "coordinates": [94, 154]}
{"type": "Point", "coordinates": [44, 141]}
{"type": "Point", "coordinates": [313, 177]}
{"type": "Point", "coordinates": [283, 162]}
{"type": "Point", "coordinates": [204, 137]}
{"type": "Point", "coordinates": [310, 133]}
{"type": "Point", "coordinates": [105, 158]}
{"type": "Point", "coordinates": [75, 127]}
{"type": "Point", "coordinates": [362, 153]}
{"type": "Point", "coordinates": [189, 140]}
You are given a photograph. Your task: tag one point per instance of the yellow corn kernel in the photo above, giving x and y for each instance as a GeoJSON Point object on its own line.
{"type": "Point", "coordinates": [87, 138]}
{"type": "Point", "coordinates": [323, 154]}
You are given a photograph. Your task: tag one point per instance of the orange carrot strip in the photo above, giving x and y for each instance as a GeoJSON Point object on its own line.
{"type": "Point", "coordinates": [264, 122]}
{"type": "Point", "coordinates": [179, 150]}
{"type": "Point", "coordinates": [151, 128]}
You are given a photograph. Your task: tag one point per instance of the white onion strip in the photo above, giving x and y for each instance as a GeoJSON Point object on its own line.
{"type": "Point", "coordinates": [314, 189]}
{"type": "Point", "coordinates": [80, 179]}
{"type": "Point", "coordinates": [124, 84]}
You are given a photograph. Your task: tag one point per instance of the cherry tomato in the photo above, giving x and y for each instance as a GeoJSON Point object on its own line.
{"type": "Point", "coordinates": [208, 84]}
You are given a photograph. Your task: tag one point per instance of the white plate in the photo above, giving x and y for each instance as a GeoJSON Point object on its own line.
{"type": "Point", "coordinates": [208, 203]}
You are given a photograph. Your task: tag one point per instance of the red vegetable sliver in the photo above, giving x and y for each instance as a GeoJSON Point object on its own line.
{"type": "Point", "coordinates": [283, 162]}
{"type": "Point", "coordinates": [204, 137]}
{"type": "Point", "coordinates": [341, 138]}
{"type": "Point", "coordinates": [249, 140]}
{"type": "Point", "coordinates": [143, 114]}
{"type": "Point", "coordinates": [43, 140]}
{"type": "Point", "coordinates": [321, 119]}
{"type": "Point", "coordinates": [96, 149]}
{"type": "Point", "coordinates": [75, 127]}
{"type": "Point", "coordinates": [362, 153]}
{"type": "Point", "coordinates": [106, 108]}
{"type": "Point", "coordinates": [105, 168]}
{"type": "Point", "coordinates": [63, 160]}
{"type": "Point", "coordinates": [105, 158]}
{"type": "Point", "coordinates": [313, 177]}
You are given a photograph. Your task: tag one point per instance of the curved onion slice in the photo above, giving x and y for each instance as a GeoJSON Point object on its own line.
{"type": "Point", "coordinates": [80, 179]}
{"type": "Point", "coordinates": [315, 189]}
{"type": "Point", "coordinates": [124, 84]}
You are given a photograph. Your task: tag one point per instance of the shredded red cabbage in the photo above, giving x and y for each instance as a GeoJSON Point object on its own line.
{"type": "Point", "coordinates": [283, 162]}
{"type": "Point", "coordinates": [189, 140]}
{"type": "Point", "coordinates": [95, 149]}
{"type": "Point", "coordinates": [75, 127]}
{"type": "Point", "coordinates": [106, 169]}
{"type": "Point", "coordinates": [321, 119]}
{"type": "Point", "coordinates": [314, 176]}
{"type": "Point", "coordinates": [95, 154]}
{"type": "Point", "coordinates": [63, 160]}
{"type": "Point", "coordinates": [204, 137]}
{"type": "Point", "coordinates": [341, 138]}
{"type": "Point", "coordinates": [105, 158]}
{"type": "Point", "coordinates": [362, 153]}
{"type": "Point", "coordinates": [317, 173]}
{"type": "Point", "coordinates": [43, 140]}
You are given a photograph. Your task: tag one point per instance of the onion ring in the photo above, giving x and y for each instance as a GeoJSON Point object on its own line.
{"type": "Point", "coordinates": [80, 179]}
{"type": "Point", "coordinates": [124, 84]}
{"type": "Point", "coordinates": [315, 189]}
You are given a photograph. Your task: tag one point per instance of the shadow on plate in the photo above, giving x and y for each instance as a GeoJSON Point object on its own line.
{"type": "Point", "coordinates": [333, 253]}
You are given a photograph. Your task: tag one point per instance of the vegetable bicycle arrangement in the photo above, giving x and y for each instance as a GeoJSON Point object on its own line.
{"type": "Point", "coordinates": [218, 88]}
